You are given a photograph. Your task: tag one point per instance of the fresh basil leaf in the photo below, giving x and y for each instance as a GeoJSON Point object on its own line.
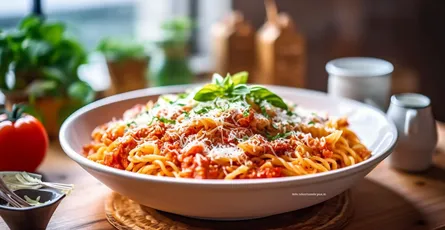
{"type": "Point", "coordinates": [177, 24]}
{"type": "Point", "coordinates": [53, 73]}
{"type": "Point", "coordinates": [45, 62]}
{"type": "Point", "coordinates": [152, 120]}
{"type": "Point", "coordinates": [228, 83]}
{"type": "Point", "coordinates": [217, 79]}
{"type": "Point", "coordinates": [119, 50]}
{"type": "Point", "coordinates": [69, 56]}
{"type": "Point", "coordinates": [208, 93]}
{"type": "Point", "coordinates": [311, 123]}
{"type": "Point", "coordinates": [3, 40]}
{"type": "Point", "coordinates": [259, 91]}
{"type": "Point", "coordinates": [241, 90]}
{"type": "Point", "coordinates": [187, 114]}
{"type": "Point", "coordinates": [15, 37]}
{"type": "Point", "coordinates": [5, 60]}
{"type": "Point", "coordinates": [280, 135]}
{"type": "Point", "coordinates": [30, 22]}
{"type": "Point", "coordinates": [262, 93]}
{"type": "Point", "coordinates": [182, 95]}
{"type": "Point", "coordinates": [36, 50]}
{"type": "Point", "coordinates": [166, 121]}
{"type": "Point", "coordinates": [203, 110]}
{"type": "Point", "coordinates": [53, 33]}
{"type": "Point", "coordinates": [215, 102]}
{"type": "Point", "coordinates": [131, 123]}
{"type": "Point", "coordinates": [264, 112]}
{"type": "Point", "coordinates": [81, 91]}
{"type": "Point", "coordinates": [240, 78]}
{"type": "Point", "coordinates": [236, 98]}
{"type": "Point", "coordinates": [40, 88]}
{"type": "Point", "coordinates": [276, 101]}
{"type": "Point", "coordinates": [234, 87]}
{"type": "Point", "coordinates": [246, 113]}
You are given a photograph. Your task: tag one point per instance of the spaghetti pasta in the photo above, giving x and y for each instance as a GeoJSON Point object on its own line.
{"type": "Point", "coordinates": [232, 136]}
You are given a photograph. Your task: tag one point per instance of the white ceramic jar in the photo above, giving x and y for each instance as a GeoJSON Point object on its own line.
{"type": "Point", "coordinates": [417, 132]}
{"type": "Point", "coordinates": [361, 78]}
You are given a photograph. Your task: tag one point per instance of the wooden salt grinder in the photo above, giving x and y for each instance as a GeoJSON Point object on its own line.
{"type": "Point", "coordinates": [233, 47]}
{"type": "Point", "coordinates": [281, 51]}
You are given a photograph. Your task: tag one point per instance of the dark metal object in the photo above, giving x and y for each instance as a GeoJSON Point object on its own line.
{"type": "Point", "coordinates": [37, 8]}
{"type": "Point", "coordinates": [35, 217]}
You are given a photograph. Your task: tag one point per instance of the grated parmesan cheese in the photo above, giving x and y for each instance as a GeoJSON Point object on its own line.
{"type": "Point", "coordinates": [230, 152]}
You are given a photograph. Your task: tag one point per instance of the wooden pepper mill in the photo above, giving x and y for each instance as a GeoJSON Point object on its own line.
{"type": "Point", "coordinates": [281, 50]}
{"type": "Point", "coordinates": [233, 45]}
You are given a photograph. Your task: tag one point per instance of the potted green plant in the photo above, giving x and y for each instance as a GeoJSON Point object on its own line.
{"type": "Point", "coordinates": [38, 65]}
{"type": "Point", "coordinates": [127, 63]}
{"type": "Point", "coordinates": [169, 65]}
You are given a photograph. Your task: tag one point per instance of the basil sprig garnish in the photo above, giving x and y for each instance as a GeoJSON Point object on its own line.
{"type": "Point", "coordinates": [166, 120]}
{"type": "Point", "coordinates": [280, 135]}
{"type": "Point", "coordinates": [234, 86]}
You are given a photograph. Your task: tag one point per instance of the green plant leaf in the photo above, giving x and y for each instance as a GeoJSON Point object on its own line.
{"type": "Point", "coordinates": [81, 91]}
{"type": "Point", "coordinates": [15, 37]}
{"type": "Point", "coordinates": [176, 31]}
{"type": "Point", "coordinates": [116, 50]}
{"type": "Point", "coordinates": [44, 59]}
{"type": "Point", "coordinates": [53, 33]}
{"type": "Point", "coordinates": [166, 120]}
{"type": "Point", "coordinates": [36, 50]}
{"type": "Point", "coordinates": [177, 24]}
{"type": "Point", "coordinates": [53, 73]}
{"type": "Point", "coordinates": [241, 90]}
{"type": "Point", "coordinates": [5, 61]}
{"type": "Point", "coordinates": [208, 93]}
{"type": "Point", "coordinates": [280, 135]}
{"type": "Point", "coordinates": [228, 83]}
{"type": "Point", "coordinates": [262, 93]}
{"type": "Point", "coordinates": [234, 88]}
{"type": "Point", "coordinates": [40, 88]}
{"type": "Point", "coordinates": [30, 22]}
{"type": "Point", "coordinates": [69, 56]}
{"type": "Point", "coordinates": [217, 79]}
{"type": "Point", "coordinates": [240, 78]}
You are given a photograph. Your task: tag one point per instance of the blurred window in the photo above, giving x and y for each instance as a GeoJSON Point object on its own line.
{"type": "Point", "coordinates": [91, 20]}
{"type": "Point", "coordinates": [88, 20]}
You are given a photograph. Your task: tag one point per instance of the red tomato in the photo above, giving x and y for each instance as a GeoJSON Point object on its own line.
{"type": "Point", "coordinates": [23, 142]}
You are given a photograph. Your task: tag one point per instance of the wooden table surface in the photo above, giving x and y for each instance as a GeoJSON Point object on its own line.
{"type": "Point", "coordinates": [385, 199]}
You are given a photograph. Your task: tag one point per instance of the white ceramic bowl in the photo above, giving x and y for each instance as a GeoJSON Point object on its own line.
{"type": "Point", "coordinates": [238, 199]}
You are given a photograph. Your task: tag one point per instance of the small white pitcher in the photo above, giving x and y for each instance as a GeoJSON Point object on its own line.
{"type": "Point", "coordinates": [417, 130]}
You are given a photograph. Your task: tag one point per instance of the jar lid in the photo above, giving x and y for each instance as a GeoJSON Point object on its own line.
{"type": "Point", "coordinates": [359, 67]}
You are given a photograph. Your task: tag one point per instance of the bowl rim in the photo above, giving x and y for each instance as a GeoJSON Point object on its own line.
{"type": "Point", "coordinates": [147, 92]}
